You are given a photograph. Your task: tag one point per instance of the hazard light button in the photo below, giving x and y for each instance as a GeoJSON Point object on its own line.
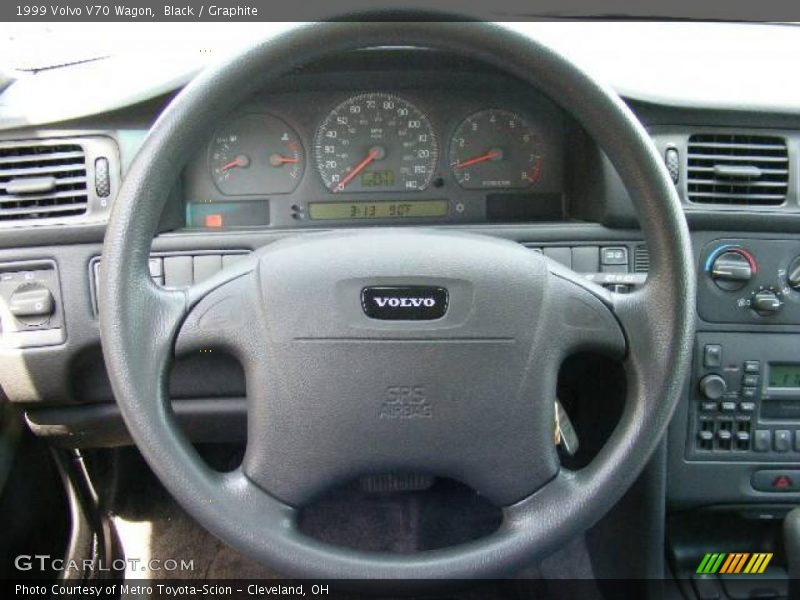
{"type": "Point", "coordinates": [776, 480]}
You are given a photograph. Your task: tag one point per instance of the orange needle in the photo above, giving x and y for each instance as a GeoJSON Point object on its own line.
{"type": "Point", "coordinates": [491, 155]}
{"type": "Point", "coordinates": [276, 160]}
{"type": "Point", "coordinates": [240, 161]}
{"type": "Point", "coordinates": [232, 164]}
{"type": "Point", "coordinates": [373, 154]}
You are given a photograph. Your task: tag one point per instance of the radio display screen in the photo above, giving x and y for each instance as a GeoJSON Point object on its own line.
{"type": "Point", "coordinates": [410, 209]}
{"type": "Point", "coordinates": [784, 376]}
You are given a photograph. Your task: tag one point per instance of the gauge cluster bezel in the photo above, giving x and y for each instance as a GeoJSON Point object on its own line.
{"type": "Point", "coordinates": [446, 107]}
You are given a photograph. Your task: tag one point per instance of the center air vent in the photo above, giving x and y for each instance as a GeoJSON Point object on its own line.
{"type": "Point", "coordinates": [737, 169]}
{"type": "Point", "coordinates": [42, 181]}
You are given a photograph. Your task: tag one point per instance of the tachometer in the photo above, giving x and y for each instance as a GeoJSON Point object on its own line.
{"type": "Point", "coordinates": [495, 149]}
{"type": "Point", "coordinates": [256, 154]}
{"type": "Point", "coordinates": [376, 142]}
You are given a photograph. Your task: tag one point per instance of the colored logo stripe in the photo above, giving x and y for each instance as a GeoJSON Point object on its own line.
{"type": "Point", "coordinates": [734, 563]}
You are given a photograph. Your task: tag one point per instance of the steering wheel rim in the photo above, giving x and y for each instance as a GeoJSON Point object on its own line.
{"type": "Point", "coordinates": [140, 322]}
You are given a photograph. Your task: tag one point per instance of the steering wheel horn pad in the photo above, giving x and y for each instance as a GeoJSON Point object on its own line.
{"type": "Point", "coordinates": [345, 395]}
{"type": "Point", "coordinates": [334, 393]}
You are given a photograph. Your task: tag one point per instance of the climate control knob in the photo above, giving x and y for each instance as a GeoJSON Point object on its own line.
{"type": "Point", "coordinates": [793, 274]}
{"type": "Point", "coordinates": [731, 271]}
{"type": "Point", "coordinates": [766, 303]}
{"type": "Point", "coordinates": [713, 387]}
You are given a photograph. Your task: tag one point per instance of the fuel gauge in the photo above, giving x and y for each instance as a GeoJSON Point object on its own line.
{"type": "Point", "coordinates": [256, 154]}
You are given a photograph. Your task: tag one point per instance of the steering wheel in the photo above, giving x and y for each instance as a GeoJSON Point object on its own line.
{"type": "Point", "coordinates": [330, 388]}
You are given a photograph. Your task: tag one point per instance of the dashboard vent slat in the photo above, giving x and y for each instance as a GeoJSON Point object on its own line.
{"type": "Point", "coordinates": [64, 163]}
{"type": "Point", "coordinates": [641, 259]}
{"type": "Point", "coordinates": [737, 169]}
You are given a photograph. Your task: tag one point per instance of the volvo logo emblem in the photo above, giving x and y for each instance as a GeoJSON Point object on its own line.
{"type": "Point", "coordinates": [404, 303]}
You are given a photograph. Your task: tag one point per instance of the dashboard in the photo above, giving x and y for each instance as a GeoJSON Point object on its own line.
{"type": "Point", "coordinates": [447, 153]}
{"type": "Point", "coordinates": [398, 137]}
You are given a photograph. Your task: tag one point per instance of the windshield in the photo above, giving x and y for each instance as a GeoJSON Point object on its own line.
{"type": "Point", "coordinates": [32, 47]}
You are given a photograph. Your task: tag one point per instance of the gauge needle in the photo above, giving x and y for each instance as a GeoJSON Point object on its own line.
{"type": "Point", "coordinates": [491, 155]}
{"type": "Point", "coordinates": [374, 154]}
{"type": "Point", "coordinates": [239, 161]}
{"type": "Point", "coordinates": [276, 160]}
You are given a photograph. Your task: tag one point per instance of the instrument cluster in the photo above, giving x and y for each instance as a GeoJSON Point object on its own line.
{"type": "Point", "coordinates": [380, 156]}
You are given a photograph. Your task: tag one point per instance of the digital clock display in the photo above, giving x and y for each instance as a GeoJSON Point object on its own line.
{"type": "Point", "coordinates": [784, 376]}
{"type": "Point", "coordinates": [412, 209]}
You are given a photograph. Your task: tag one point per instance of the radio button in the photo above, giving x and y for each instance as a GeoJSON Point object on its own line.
{"type": "Point", "coordinates": [783, 440]}
{"type": "Point", "coordinates": [762, 440]}
{"type": "Point", "coordinates": [752, 366]}
{"type": "Point", "coordinates": [750, 380]}
{"type": "Point", "coordinates": [712, 355]}
{"type": "Point", "coordinates": [705, 435]}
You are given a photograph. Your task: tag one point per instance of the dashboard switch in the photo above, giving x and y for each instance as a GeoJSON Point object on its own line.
{"type": "Point", "coordinates": [766, 303]}
{"type": "Point", "coordinates": [614, 255]}
{"type": "Point", "coordinates": [762, 440]}
{"type": "Point", "coordinates": [783, 440]}
{"type": "Point", "coordinates": [31, 304]}
{"type": "Point", "coordinates": [774, 480]}
{"type": "Point", "coordinates": [712, 356]}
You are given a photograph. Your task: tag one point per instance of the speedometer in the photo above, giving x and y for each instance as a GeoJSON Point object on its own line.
{"type": "Point", "coordinates": [376, 142]}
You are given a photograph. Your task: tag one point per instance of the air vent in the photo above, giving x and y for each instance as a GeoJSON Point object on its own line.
{"type": "Point", "coordinates": [42, 181]}
{"type": "Point", "coordinates": [641, 259]}
{"type": "Point", "coordinates": [737, 169]}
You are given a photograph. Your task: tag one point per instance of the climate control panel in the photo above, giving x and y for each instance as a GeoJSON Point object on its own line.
{"type": "Point", "coordinates": [750, 281]}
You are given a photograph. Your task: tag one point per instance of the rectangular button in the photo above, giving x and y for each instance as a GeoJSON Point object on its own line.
{"type": "Point", "coordinates": [712, 355]}
{"type": "Point", "coordinates": [560, 255]}
{"type": "Point", "coordinates": [750, 380]}
{"type": "Point", "coordinates": [177, 271]}
{"type": "Point", "coordinates": [747, 407]}
{"type": "Point", "coordinates": [708, 406]}
{"type": "Point", "coordinates": [156, 266]}
{"type": "Point", "coordinates": [614, 255]}
{"type": "Point", "coordinates": [748, 393]}
{"type": "Point", "coordinates": [762, 440]}
{"type": "Point", "coordinates": [774, 480]}
{"type": "Point", "coordinates": [728, 406]}
{"type": "Point", "coordinates": [752, 366]}
{"type": "Point", "coordinates": [206, 265]}
{"type": "Point", "coordinates": [586, 259]}
{"type": "Point", "coordinates": [783, 440]}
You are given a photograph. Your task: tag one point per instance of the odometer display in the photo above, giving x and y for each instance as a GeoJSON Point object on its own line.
{"type": "Point", "coordinates": [376, 142]}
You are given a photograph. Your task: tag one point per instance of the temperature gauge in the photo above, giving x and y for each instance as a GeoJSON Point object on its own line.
{"type": "Point", "coordinates": [257, 154]}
